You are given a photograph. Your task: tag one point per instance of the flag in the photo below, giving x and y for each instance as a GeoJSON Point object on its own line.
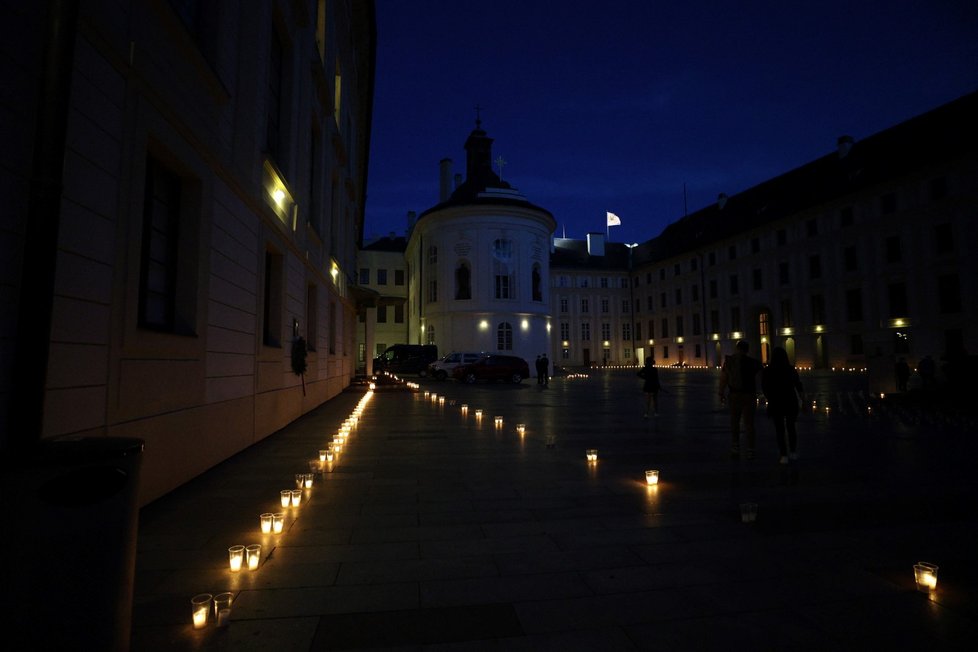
{"type": "Point", "coordinates": [613, 220]}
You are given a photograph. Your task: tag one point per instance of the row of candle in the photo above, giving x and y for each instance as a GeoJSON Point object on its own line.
{"type": "Point", "coordinates": [241, 557]}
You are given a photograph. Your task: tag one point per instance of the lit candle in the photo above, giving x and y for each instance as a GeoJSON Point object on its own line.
{"type": "Point", "coordinates": [478, 414]}
{"type": "Point", "coordinates": [465, 409]}
{"type": "Point", "coordinates": [296, 497]}
{"type": "Point", "coordinates": [322, 455]}
{"type": "Point", "coordinates": [253, 554]}
{"type": "Point", "coordinates": [200, 606]}
{"type": "Point", "coordinates": [286, 497]}
{"type": "Point", "coordinates": [441, 400]}
{"type": "Point", "coordinates": [427, 394]}
{"type": "Point", "coordinates": [236, 557]}
{"type": "Point", "coordinates": [266, 523]}
{"type": "Point", "coordinates": [521, 428]}
{"type": "Point", "coordinates": [308, 483]}
{"type": "Point", "coordinates": [592, 454]}
{"type": "Point", "coordinates": [300, 479]}
{"type": "Point", "coordinates": [278, 522]}
{"type": "Point", "coordinates": [925, 575]}
{"type": "Point", "coordinates": [499, 422]}
{"type": "Point", "coordinates": [329, 456]}
{"type": "Point", "coordinates": [652, 476]}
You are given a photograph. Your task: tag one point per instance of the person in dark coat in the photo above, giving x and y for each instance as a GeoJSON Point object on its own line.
{"type": "Point", "coordinates": [783, 389]}
{"type": "Point", "coordinates": [545, 369]}
{"type": "Point", "coordinates": [650, 387]}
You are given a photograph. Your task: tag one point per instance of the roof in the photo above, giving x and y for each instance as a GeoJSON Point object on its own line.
{"type": "Point", "coordinates": [387, 243]}
{"type": "Point", "coordinates": [573, 254]}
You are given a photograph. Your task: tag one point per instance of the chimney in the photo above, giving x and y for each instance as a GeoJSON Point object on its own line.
{"type": "Point", "coordinates": [844, 144]}
{"type": "Point", "coordinates": [721, 200]}
{"type": "Point", "coordinates": [595, 244]}
{"type": "Point", "coordinates": [444, 179]}
{"type": "Point", "coordinates": [458, 179]}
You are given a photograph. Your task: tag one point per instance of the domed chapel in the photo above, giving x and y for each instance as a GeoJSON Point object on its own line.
{"type": "Point", "coordinates": [479, 264]}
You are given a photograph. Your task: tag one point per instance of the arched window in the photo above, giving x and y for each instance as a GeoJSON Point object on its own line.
{"type": "Point", "coordinates": [536, 282]}
{"type": "Point", "coordinates": [430, 334]}
{"type": "Point", "coordinates": [463, 281]}
{"type": "Point", "coordinates": [504, 337]}
{"type": "Point", "coordinates": [502, 253]}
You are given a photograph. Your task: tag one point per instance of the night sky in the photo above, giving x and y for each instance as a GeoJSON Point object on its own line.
{"type": "Point", "coordinates": [615, 105]}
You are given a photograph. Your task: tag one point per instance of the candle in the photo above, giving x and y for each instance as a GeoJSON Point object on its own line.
{"type": "Point", "coordinates": [300, 479]}
{"type": "Point", "coordinates": [278, 522]}
{"type": "Point", "coordinates": [308, 481]}
{"type": "Point", "coordinates": [329, 456]}
{"type": "Point", "coordinates": [322, 455]}
{"type": "Point", "coordinates": [592, 454]}
{"type": "Point", "coordinates": [253, 555]}
{"type": "Point", "coordinates": [465, 409]}
{"type": "Point", "coordinates": [200, 607]}
{"type": "Point", "coordinates": [499, 422]}
{"type": "Point", "coordinates": [236, 557]}
{"type": "Point", "coordinates": [521, 428]}
{"type": "Point", "coordinates": [266, 522]}
{"type": "Point", "coordinates": [441, 400]}
{"type": "Point", "coordinates": [652, 476]}
{"type": "Point", "coordinates": [222, 607]}
{"type": "Point", "coordinates": [285, 496]}
{"type": "Point", "coordinates": [478, 414]}
{"type": "Point", "coordinates": [925, 575]}
{"type": "Point", "coordinates": [296, 497]}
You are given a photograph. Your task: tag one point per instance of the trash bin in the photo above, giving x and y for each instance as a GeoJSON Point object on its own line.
{"type": "Point", "coordinates": [70, 525]}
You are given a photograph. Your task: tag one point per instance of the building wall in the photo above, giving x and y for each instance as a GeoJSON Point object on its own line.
{"type": "Point", "coordinates": [595, 300]}
{"type": "Point", "coordinates": [390, 331]}
{"type": "Point", "coordinates": [467, 235]}
{"type": "Point", "coordinates": [149, 91]}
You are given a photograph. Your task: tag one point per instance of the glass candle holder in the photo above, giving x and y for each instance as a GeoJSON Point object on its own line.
{"type": "Point", "coordinates": [441, 401]}
{"type": "Point", "coordinates": [925, 575]}
{"type": "Point", "coordinates": [307, 481]}
{"type": "Point", "coordinates": [285, 496]}
{"type": "Point", "coordinates": [748, 512]}
{"type": "Point", "coordinates": [278, 522]}
{"type": "Point", "coordinates": [478, 414]}
{"type": "Point", "coordinates": [329, 456]}
{"type": "Point", "coordinates": [300, 480]}
{"type": "Point", "coordinates": [296, 497]}
{"type": "Point", "coordinates": [200, 609]}
{"type": "Point", "coordinates": [652, 476]}
{"type": "Point", "coordinates": [236, 558]}
{"type": "Point", "coordinates": [266, 522]}
{"type": "Point", "coordinates": [253, 556]}
{"type": "Point", "coordinates": [591, 454]}
{"type": "Point", "coordinates": [520, 429]}
{"type": "Point", "coordinates": [222, 608]}
{"type": "Point", "coordinates": [499, 422]}
{"type": "Point", "coordinates": [322, 455]}
{"type": "Point", "coordinates": [465, 409]}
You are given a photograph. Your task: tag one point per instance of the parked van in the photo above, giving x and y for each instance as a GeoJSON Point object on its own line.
{"type": "Point", "coordinates": [442, 369]}
{"type": "Point", "coordinates": [406, 359]}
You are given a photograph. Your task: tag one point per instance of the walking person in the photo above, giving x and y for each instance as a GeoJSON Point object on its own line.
{"type": "Point", "coordinates": [783, 390]}
{"type": "Point", "coordinates": [540, 373]}
{"type": "Point", "coordinates": [545, 367]}
{"type": "Point", "coordinates": [738, 388]}
{"type": "Point", "coordinates": [650, 387]}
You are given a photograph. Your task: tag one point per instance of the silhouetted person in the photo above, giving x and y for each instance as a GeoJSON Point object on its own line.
{"type": "Point", "coordinates": [902, 372]}
{"type": "Point", "coordinates": [545, 367]}
{"type": "Point", "coordinates": [651, 386]}
{"type": "Point", "coordinates": [782, 388]}
{"type": "Point", "coordinates": [738, 386]}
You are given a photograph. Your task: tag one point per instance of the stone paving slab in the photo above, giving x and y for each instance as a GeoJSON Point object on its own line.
{"type": "Point", "coordinates": [435, 531]}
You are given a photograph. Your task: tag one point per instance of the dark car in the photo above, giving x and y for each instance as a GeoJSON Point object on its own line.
{"type": "Point", "coordinates": [493, 367]}
{"type": "Point", "coordinates": [406, 359]}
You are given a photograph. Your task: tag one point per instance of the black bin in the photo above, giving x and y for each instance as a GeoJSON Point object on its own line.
{"type": "Point", "coordinates": [70, 523]}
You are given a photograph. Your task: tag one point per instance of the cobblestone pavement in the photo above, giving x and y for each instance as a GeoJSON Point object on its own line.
{"type": "Point", "coordinates": [438, 531]}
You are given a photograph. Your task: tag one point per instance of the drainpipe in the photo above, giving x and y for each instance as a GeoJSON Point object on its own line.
{"type": "Point", "coordinates": [41, 230]}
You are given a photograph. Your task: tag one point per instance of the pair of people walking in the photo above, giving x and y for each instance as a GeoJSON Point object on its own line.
{"type": "Point", "coordinates": [781, 386]}
{"type": "Point", "coordinates": [543, 370]}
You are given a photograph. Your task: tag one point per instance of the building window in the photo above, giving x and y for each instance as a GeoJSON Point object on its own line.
{"type": "Point", "coordinates": [696, 293]}
{"type": "Point", "coordinates": [697, 326]}
{"type": "Point", "coordinates": [502, 286]}
{"type": "Point", "coordinates": [463, 281]}
{"type": "Point", "coordinates": [854, 304]}
{"type": "Point", "coordinates": [850, 259]}
{"type": "Point", "coordinates": [563, 304]}
{"type": "Point", "coordinates": [897, 294]}
{"type": "Point", "coordinates": [651, 329]}
{"type": "Point", "coordinates": [888, 203]}
{"type": "Point", "coordinates": [949, 293]}
{"type": "Point", "coordinates": [504, 337]}
{"type": "Point", "coordinates": [893, 249]}
{"type": "Point", "coordinates": [604, 282]}
{"type": "Point", "coordinates": [605, 306]}
{"type": "Point", "coordinates": [585, 332]}
{"type": "Point", "coordinates": [650, 303]}
{"type": "Point", "coordinates": [943, 238]}
{"type": "Point", "coordinates": [818, 309]}
{"type": "Point", "coordinates": [399, 313]}
{"type": "Point", "coordinates": [626, 331]}
{"type": "Point", "coordinates": [627, 353]}
{"type": "Point", "coordinates": [398, 277]}
{"type": "Point", "coordinates": [665, 327]}
{"type": "Point", "coordinates": [665, 352]}
{"type": "Point", "coordinates": [786, 321]}
{"type": "Point", "coordinates": [680, 330]}
{"type": "Point", "coordinates": [699, 352]}
{"type": "Point", "coordinates": [624, 306]}
{"type": "Point", "coordinates": [715, 321]}
{"type": "Point", "coordinates": [381, 314]}
{"type": "Point", "coordinates": [713, 288]}
{"type": "Point", "coordinates": [662, 299]}
{"type": "Point", "coordinates": [432, 291]}
{"type": "Point", "coordinates": [582, 282]}
{"type": "Point", "coordinates": [432, 255]}
{"type": "Point", "coordinates": [734, 285]}
{"type": "Point", "coordinates": [430, 334]}
{"type": "Point", "coordinates": [585, 306]}
{"type": "Point", "coordinates": [735, 318]}
{"type": "Point", "coordinates": [274, 129]}
{"type": "Point", "coordinates": [757, 278]}
{"type": "Point", "coordinates": [168, 260]}
{"type": "Point", "coordinates": [638, 330]}
{"type": "Point", "coordinates": [564, 330]}
{"type": "Point", "coordinates": [679, 296]}
{"type": "Point", "coordinates": [272, 300]}
{"type": "Point", "coordinates": [364, 276]}
{"type": "Point", "coordinates": [605, 331]}
{"type": "Point", "coordinates": [381, 277]}
{"type": "Point", "coordinates": [784, 278]}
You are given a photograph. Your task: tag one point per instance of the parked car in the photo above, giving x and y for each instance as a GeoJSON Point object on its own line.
{"type": "Point", "coordinates": [441, 369]}
{"type": "Point", "coordinates": [406, 359]}
{"type": "Point", "coordinates": [493, 367]}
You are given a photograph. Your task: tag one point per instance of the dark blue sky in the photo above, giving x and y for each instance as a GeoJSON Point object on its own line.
{"type": "Point", "coordinates": [614, 105]}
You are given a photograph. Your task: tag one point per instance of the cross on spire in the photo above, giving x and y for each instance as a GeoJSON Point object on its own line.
{"type": "Point", "coordinates": [500, 162]}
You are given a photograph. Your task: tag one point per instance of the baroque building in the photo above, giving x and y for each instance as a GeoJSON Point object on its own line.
{"type": "Point", "coordinates": [855, 259]}
{"type": "Point", "coordinates": [186, 185]}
